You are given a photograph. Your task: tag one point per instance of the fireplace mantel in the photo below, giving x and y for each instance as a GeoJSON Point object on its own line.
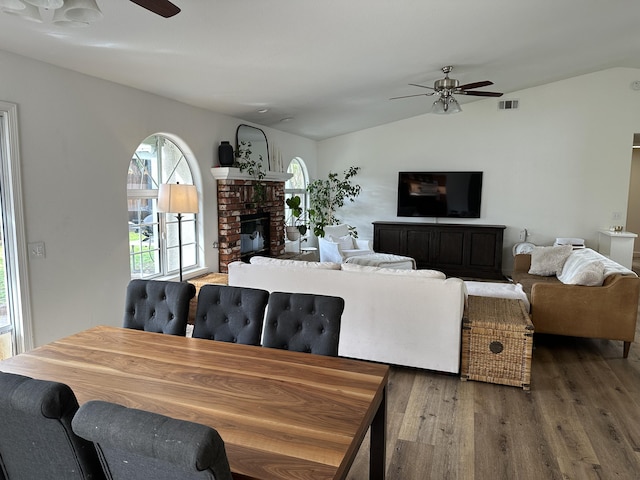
{"type": "Point", "coordinates": [232, 173]}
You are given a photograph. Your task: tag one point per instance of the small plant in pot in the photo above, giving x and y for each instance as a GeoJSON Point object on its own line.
{"type": "Point", "coordinates": [297, 226]}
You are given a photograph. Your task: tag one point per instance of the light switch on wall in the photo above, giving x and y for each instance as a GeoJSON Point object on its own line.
{"type": "Point", "coordinates": [36, 250]}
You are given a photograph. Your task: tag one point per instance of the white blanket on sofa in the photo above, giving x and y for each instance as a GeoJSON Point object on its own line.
{"type": "Point", "coordinates": [585, 259]}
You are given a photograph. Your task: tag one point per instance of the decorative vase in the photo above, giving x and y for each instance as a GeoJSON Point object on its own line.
{"type": "Point", "coordinates": [225, 154]}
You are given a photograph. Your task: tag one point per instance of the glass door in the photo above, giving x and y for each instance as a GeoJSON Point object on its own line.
{"type": "Point", "coordinates": [15, 313]}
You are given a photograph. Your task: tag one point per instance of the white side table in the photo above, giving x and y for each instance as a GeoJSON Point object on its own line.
{"type": "Point", "coordinates": [618, 246]}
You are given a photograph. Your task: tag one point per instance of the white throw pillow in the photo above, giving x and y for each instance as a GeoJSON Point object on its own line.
{"type": "Point", "coordinates": [547, 261]}
{"type": "Point", "coordinates": [344, 243]}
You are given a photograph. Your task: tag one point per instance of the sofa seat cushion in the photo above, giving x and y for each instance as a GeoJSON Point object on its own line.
{"type": "Point", "coordinates": [527, 280]}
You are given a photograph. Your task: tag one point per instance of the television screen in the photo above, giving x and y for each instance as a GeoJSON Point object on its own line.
{"type": "Point", "coordinates": [439, 194]}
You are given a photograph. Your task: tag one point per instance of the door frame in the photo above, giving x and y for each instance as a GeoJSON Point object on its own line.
{"type": "Point", "coordinates": [16, 263]}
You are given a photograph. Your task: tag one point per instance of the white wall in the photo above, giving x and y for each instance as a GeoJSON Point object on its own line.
{"type": "Point", "coordinates": [559, 165]}
{"type": "Point", "coordinates": [77, 135]}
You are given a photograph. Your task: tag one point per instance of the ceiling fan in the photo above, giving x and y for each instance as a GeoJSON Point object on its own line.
{"type": "Point", "coordinates": [164, 8]}
{"type": "Point", "coordinates": [446, 87]}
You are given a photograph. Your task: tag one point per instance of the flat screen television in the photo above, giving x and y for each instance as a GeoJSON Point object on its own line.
{"type": "Point", "coordinates": [439, 194]}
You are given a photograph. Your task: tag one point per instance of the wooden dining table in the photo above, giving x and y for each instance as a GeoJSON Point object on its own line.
{"type": "Point", "coordinates": [282, 415]}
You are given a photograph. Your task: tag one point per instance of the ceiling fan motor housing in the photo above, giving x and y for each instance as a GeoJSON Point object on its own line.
{"type": "Point", "coordinates": [445, 84]}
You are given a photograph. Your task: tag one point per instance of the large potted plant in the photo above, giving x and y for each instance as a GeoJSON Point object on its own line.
{"type": "Point", "coordinates": [328, 195]}
{"type": "Point", "coordinates": [297, 226]}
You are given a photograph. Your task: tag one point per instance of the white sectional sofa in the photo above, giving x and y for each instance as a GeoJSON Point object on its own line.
{"type": "Point", "coordinates": [400, 317]}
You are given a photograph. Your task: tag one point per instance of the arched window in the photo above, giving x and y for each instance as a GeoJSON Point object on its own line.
{"type": "Point", "coordinates": [297, 185]}
{"type": "Point", "coordinates": [153, 236]}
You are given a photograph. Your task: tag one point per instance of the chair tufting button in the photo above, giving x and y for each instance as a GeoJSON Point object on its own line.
{"type": "Point", "coordinates": [322, 330]}
{"type": "Point", "coordinates": [235, 340]}
{"type": "Point", "coordinates": [226, 319]}
{"type": "Point", "coordinates": [172, 316]}
{"type": "Point", "coordinates": [247, 321]}
{"type": "Point", "coordinates": [299, 326]}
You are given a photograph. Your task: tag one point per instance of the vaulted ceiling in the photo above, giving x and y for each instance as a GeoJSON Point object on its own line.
{"type": "Point", "coordinates": [321, 68]}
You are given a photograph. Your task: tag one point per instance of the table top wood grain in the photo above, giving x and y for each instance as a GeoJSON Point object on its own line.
{"type": "Point", "coordinates": [281, 414]}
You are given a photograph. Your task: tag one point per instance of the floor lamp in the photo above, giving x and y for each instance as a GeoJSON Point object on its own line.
{"type": "Point", "coordinates": [179, 199]}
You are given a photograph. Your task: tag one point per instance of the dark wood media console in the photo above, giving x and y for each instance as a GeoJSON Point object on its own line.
{"type": "Point", "coordinates": [472, 251]}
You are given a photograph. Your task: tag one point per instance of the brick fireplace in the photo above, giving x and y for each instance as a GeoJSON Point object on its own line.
{"type": "Point", "coordinates": [235, 201]}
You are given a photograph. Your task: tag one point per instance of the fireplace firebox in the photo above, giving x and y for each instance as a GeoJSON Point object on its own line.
{"type": "Point", "coordinates": [254, 235]}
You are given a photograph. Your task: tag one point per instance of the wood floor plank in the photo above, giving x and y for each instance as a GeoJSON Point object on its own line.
{"type": "Point", "coordinates": [580, 421]}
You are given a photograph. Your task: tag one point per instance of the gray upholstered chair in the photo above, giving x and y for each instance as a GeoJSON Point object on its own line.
{"type": "Point", "coordinates": [303, 322]}
{"type": "Point", "coordinates": [157, 306]}
{"type": "Point", "coordinates": [230, 314]}
{"type": "Point", "coordinates": [36, 438]}
{"type": "Point", "coordinates": [141, 445]}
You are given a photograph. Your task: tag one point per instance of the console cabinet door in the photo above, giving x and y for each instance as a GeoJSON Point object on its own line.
{"type": "Point", "coordinates": [389, 239]}
{"type": "Point", "coordinates": [419, 246]}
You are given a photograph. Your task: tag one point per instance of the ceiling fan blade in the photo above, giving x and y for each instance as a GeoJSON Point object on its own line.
{"type": "Point", "coordinates": [407, 96]}
{"type": "Point", "coordinates": [421, 86]}
{"type": "Point", "coordinates": [467, 86]}
{"type": "Point", "coordinates": [478, 94]}
{"type": "Point", "coordinates": [164, 8]}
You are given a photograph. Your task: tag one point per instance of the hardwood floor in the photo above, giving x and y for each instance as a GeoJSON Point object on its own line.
{"type": "Point", "coordinates": [581, 419]}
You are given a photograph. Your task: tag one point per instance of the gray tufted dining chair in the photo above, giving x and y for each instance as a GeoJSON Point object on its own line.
{"type": "Point", "coordinates": [142, 445]}
{"type": "Point", "coordinates": [158, 306]}
{"type": "Point", "coordinates": [230, 314]}
{"type": "Point", "coordinates": [36, 438]}
{"type": "Point", "coordinates": [303, 322]}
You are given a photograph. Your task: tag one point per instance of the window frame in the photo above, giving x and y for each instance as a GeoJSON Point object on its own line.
{"type": "Point", "coordinates": [165, 222]}
{"type": "Point", "coordinates": [302, 192]}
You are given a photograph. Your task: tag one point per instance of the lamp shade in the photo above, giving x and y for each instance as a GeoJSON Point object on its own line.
{"type": "Point", "coordinates": [177, 198]}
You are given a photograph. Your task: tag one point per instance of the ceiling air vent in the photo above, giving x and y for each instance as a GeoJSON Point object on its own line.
{"type": "Point", "coordinates": [508, 104]}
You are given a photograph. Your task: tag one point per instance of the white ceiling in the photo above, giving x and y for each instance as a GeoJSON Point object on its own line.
{"type": "Point", "coordinates": [332, 65]}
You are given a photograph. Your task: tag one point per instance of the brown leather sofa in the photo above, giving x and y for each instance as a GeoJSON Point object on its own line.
{"type": "Point", "coordinates": [609, 311]}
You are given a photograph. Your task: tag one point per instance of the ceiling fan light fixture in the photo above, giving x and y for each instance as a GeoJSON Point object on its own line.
{"type": "Point", "coordinates": [77, 13]}
{"type": "Point", "coordinates": [48, 4]}
{"type": "Point", "coordinates": [445, 106]}
{"type": "Point", "coordinates": [13, 4]}
{"type": "Point", "coordinates": [29, 12]}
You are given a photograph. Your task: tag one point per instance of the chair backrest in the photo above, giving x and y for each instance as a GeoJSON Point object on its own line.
{"type": "Point", "coordinates": [336, 230]}
{"type": "Point", "coordinates": [36, 438]}
{"type": "Point", "coordinates": [157, 306]}
{"type": "Point", "coordinates": [303, 322]}
{"type": "Point", "coordinates": [230, 314]}
{"type": "Point", "coordinates": [141, 445]}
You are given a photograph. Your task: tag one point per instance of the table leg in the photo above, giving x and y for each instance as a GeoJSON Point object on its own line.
{"type": "Point", "coordinates": [378, 439]}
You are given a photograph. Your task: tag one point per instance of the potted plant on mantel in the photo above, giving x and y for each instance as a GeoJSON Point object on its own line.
{"type": "Point", "coordinates": [327, 195]}
{"type": "Point", "coordinates": [254, 168]}
{"type": "Point", "coordinates": [298, 227]}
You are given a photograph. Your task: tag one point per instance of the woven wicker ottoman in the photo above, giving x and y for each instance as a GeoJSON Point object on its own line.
{"type": "Point", "coordinates": [216, 278]}
{"type": "Point", "coordinates": [497, 340]}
